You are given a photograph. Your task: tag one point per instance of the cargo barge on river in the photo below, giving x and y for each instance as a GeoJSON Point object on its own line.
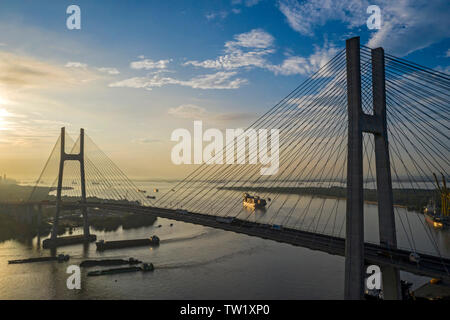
{"type": "Point", "coordinates": [119, 244]}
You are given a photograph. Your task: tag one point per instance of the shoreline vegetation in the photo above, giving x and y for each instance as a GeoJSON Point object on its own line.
{"type": "Point", "coordinates": [12, 229]}
{"type": "Point", "coordinates": [411, 199]}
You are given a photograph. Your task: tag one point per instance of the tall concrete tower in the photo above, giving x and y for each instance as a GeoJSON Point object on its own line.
{"type": "Point", "coordinates": [359, 122]}
{"type": "Point", "coordinates": [71, 157]}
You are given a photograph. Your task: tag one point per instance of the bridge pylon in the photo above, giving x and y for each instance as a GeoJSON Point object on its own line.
{"type": "Point", "coordinates": [376, 124]}
{"type": "Point", "coordinates": [71, 157]}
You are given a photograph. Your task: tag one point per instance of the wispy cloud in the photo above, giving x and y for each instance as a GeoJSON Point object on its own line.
{"type": "Point", "coordinates": [21, 72]}
{"type": "Point", "coordinates": [219, 80]}
{"type": "Point", "coordinates": [148, 64]}
{"type": "Point", "coordinates": [112, 71]}
{"type": "Point", "coordinates": [146, 140]}
{"type": "Point", "coordinates": [247, 50]}
{"type": "Point", "coordinates": [222, 14]}
{"type": "Point", "coordinates": [215, 15]}
{"type": "Point", "coordinates": [305, 66]}
{"type": "Point", "coordinates": [251, 50]}
{"type": "Point", "coordinates": [194, 112]}
{"type": "Point", "coordinates": [247, 3]}
{"type": "Point", "coordinates": [188, 111]}
{"type": "Point", "coordinates": [84, 66]}
{"type": "Point", "coordinates": [307, 15]}
{"type": "Point", "coordinates": [443, 69]}
{"type": "Point", "coordinates": [406, 25]}
{"type": "Point", "coordinates": [74, 64]}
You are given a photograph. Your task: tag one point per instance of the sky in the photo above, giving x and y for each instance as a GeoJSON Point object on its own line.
{"type": "Point", "coordinates": [138, 70]}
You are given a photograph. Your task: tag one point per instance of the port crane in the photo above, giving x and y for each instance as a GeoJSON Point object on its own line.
{"type": "Point", "coordinates": [445, 195]}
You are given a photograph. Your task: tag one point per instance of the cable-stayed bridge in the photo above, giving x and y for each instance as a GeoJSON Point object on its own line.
{"type": "Point", "coordinates": [359, 142]}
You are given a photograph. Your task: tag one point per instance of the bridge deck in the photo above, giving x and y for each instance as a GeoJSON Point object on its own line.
{"type": "Point", "coordinates": [430, 266]}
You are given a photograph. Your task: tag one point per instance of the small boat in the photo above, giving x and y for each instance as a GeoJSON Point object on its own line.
{"type": "Point", "coordinates": [142, 191]}
{"type": "Point", "coordinates": [147, 267]}
{"type": "Point", "coordinates": [253, 201]}
{"type": "Point", "coordinates": [150, 197]}
{"type": "Point", "coordinates": [155, 190]}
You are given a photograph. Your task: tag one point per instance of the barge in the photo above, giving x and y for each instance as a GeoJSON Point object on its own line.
{"type": "Point", "coordinates": [69, 240]}
{"type": "Point", "coordinates": [59, 258]}
{"type": "Point", "coordinates": [145, 268]}
{"type": "Point", "coordinates": [108, 262]}
{"type": "Point", "coordinates": [119, 244]}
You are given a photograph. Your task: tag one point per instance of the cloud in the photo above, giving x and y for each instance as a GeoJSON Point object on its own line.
{"type": "Point", "coordinates": [23, 72]}
{"type": "Point", "coordinates": [146, 140]}
{"type": "Point", "coordinates": [247, 50]}
{"type": "Point", "coordinates": [443, 69]}
{"type": "Point", "coordinates": [214, 15]}
{"type": "Point", "coordinates": [234, 60]}
{"type": "Point", "coordinates": [251, 3]}
{"type": "Point", "coordinates": [194, 112]}
{"type": "Point", "coordinates": [72, 64]}
{"type": "Point", "coordinates": [111, 71]}
{"type": "Point", "coordinates": [305, 16]}
{"type": "Point", "coordinates": [84, 66]}
{"type": "Point", "coordinates": [188, 111]}
{"type": "Point", "coordinates": [148, 64]}
{"type": "Point", "coordinates": [18, 129]}
{"type": "Point", "coordinates": [247, 3]}
{"type": "Point", "coordinates": [256, 38]}
{"type": "Point", "coordinates": [406, 25]}
{"type": "Point", "coordinates": [219, 80]}
{"type": "Point", "coordinates": [412, 25]}
{"type": "Point", "coordinates": [300, 65]}
{"type": "Point", "coordinates": [251, 50]}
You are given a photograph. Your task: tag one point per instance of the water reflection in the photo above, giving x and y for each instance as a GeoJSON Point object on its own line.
{"type": "Point", "coordinates": [195, 262]}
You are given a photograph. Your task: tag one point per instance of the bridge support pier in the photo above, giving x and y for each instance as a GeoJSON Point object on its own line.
{"type": "Point", "coordinates": [386, 217]}
{"type": "Point", "coordinates": [354, 242]}
{"type": "Point", "coordinates": [359, 122]}
{"type": "Point", "coordinates": [67, 157]}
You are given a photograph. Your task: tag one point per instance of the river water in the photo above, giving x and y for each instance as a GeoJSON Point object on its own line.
{"type": "Point", "coordinates": [195, 262]}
